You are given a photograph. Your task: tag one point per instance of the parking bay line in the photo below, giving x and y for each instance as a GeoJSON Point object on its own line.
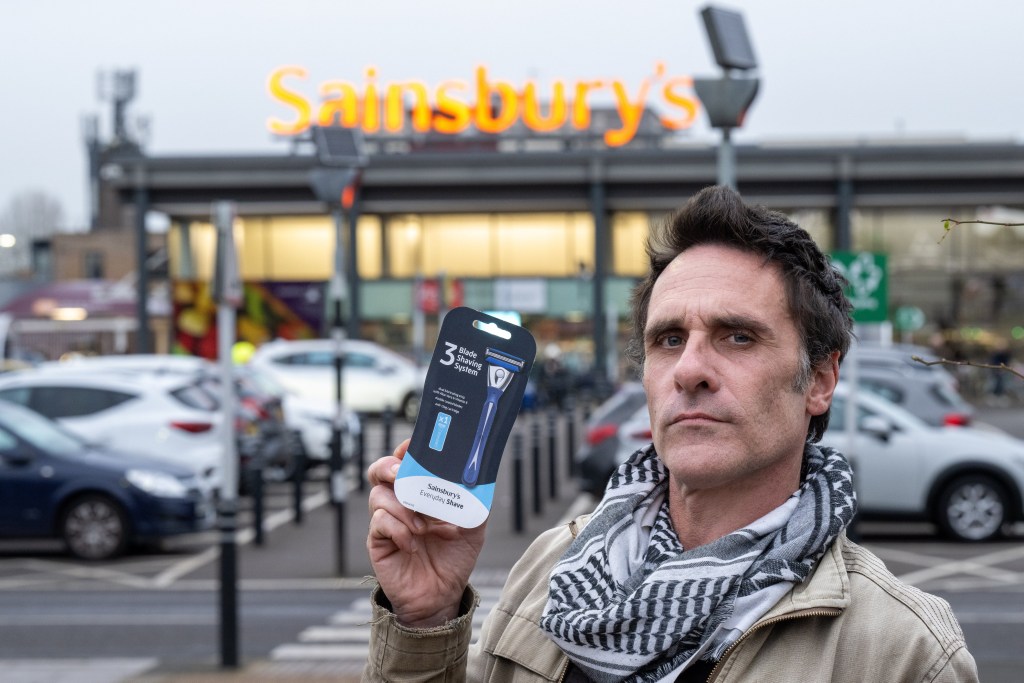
{"type": "Point", "coordinates": [938, 567]}
{"type": "Point", "coordinates": [167, 577]}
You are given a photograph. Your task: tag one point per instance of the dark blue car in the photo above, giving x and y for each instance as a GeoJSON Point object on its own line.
{"type": "Point", "coordinates": [55, 485]}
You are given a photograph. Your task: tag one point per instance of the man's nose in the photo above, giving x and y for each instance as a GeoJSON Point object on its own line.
{"type": "Point", "coordinates": [694, 368]}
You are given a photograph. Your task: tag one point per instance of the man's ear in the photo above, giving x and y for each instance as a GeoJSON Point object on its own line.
{"type": "Point", "coordinates": [824, 378]}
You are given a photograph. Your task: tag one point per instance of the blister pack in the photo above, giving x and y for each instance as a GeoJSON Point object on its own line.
{"type": "Point", "coordinates": [471, 397]}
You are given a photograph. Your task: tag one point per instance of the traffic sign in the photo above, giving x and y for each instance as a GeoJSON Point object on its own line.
{"type": "Point", "coordinates": [868, 277]}
{"type": "Point", "coordinates": [909, 318]}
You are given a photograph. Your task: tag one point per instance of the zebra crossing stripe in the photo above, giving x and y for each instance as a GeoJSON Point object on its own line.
{"type": "Point", "coordinates": [347, 635]}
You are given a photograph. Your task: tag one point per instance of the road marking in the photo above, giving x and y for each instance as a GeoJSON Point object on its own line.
{"type": "Point", "coordinates": [176, 571]}
{"type": "Point", "coordinates": [979, 566]}
{"type": "Point", "coordinates": [121, 619]}
{"type": "Point", "coordinates": [99, 670]}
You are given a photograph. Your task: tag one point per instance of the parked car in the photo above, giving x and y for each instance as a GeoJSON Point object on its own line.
{"type": "Point", "coordinates": [54, 484]}
{"type": "Point", "coordinates": [596, 457]}
{"type": "Point", "coordinates": [312, 420]}
{"type": "Point", "coordinates": [968, 481]}
{"type": "Point", "coordinates": [929, 392]}
{"type": "Point", "coordinates": [374, 379]}
{"type": "Point", "coordinates": [171, 418]}
{"type": "Point", "coordinates": [262, 435]}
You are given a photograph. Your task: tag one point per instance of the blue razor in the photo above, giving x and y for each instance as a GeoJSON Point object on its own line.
{"type": "Point", "coordinates": [501, 368]}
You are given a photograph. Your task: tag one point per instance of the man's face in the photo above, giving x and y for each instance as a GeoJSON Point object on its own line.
{"type": "Point", "coordinates": [722, 357]}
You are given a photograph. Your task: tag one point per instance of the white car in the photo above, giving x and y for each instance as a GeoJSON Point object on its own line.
{"type": "Point", "coordinates": [374, 378]}
{"type": "Point", "coordinates": [968, 481]}
{"type": "Point", "coordinates": [171, 418]}
{"type": "Point", "coordinates": [313, 419]}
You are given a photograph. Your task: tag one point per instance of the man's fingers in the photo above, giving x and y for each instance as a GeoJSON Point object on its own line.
{"type": "Point", "coordinates": [385, 527]}
{"type": "Point", "coordinates": [383, 498]}
{"type": "Point", "coordinates": [383, 470]}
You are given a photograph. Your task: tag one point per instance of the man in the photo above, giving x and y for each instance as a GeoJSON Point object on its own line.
{"type": "Point", "coordinates": [717, 553]}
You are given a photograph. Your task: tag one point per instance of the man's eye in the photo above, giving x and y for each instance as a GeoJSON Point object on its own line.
{"type": "Point", "coordinates": [741, 338]}
{"type": "Point", "coordinates": [671, 340]}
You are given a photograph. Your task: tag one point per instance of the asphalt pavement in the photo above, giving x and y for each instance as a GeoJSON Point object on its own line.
{"type": "Point", "coordinates": [308, 553]}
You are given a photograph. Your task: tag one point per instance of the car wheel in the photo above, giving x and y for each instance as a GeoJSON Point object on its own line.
{"type": "Point", "coordinates": [973, 508]}
{"type": "Point", "coordinates": [411, 407]}
{"type": "Point", "coordinates": [94, 528]}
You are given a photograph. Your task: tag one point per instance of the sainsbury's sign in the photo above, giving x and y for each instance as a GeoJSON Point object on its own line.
{"type": "Point", "coordinates": [453, 106]}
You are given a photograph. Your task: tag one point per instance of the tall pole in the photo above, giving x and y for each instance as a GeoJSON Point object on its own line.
{"type": "Point", "coordinates": [337, 294]}
{"type": "Point", "coordinates": [227, 288]}
{"type": "Point", "coordinates": [142, 341]}
{"type": "Point", "coordinates": [727, 160]}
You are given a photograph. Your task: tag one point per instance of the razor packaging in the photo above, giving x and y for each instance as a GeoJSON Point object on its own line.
{"type": "Point", "coordinates": [473, 391]}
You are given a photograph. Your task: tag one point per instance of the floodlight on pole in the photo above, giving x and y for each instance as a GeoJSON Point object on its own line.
{"type": "Point", "coordinates": [340, 153]}
{"type": "Point", "coordinates": [727, 99]}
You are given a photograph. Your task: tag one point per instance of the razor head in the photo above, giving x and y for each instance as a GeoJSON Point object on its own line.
{"type": "Point", "coordinates": [505, 360]}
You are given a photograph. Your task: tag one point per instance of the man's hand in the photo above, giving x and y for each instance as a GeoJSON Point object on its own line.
{"type": "Point", "coordinates": [422, 564]}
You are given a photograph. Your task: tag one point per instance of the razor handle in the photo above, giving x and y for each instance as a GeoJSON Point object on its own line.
{"type": "Point", "coordinates": [483, 430]}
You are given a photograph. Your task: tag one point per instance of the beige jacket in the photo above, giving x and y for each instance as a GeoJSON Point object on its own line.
{"type": "Point", "coordinates": [851, 621]}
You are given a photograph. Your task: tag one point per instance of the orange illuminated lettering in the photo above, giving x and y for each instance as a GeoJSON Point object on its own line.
{"type": "Point", "coordinates": [492, 106]}
{"type": "Point", "coordinates": [340, 105]}
{"type": "Point", "coordinates": [580, 108]}
{"type": "Point", "coordinates": [685, 102]}
{"type": "Point", "coordinates": [508, 104]}
{"type": "Point", "coordinates": [531, 109]}
{"type": "Point", "coordinates": [453, 115]}
{"type": "Point", "coordinates": [394, 107]}
{"type": "Point", "coordinates": [371, 103]}
{"type": "Point", "coordinates": [301, 104]}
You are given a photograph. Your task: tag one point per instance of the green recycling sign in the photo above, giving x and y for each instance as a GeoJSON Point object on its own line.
{"type": "Point", "coordinates": [868, 291]}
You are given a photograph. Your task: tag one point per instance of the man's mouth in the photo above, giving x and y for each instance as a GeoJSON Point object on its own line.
{"type": "Point", "coordinates": [693, 418]}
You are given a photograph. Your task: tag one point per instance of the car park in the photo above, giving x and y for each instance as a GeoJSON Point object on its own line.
{"type": "Point", "coordinates": [170, 418]}
{"type": "Point", "coordinates": [54, 484]}
{"type": "Point", "coordinates": [928, 391]}
{"type": "Point", "coordinates": [597, 456]}
{"type": "Point", "coordinates": [966, 480]}
{"type": "Point", "coordinates": [273, 422]}
{"type": "Point", "coordinates": [312, 420]}
{"type": "Point", "coordinates": [374, 378]}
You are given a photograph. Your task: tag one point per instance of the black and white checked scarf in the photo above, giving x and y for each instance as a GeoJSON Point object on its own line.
{"type": "Point", "coordinates": [628, 603]}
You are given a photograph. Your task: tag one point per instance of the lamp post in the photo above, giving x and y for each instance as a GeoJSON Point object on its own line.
{"type": "Point", "coordinates": [727, 98]}
{"type": "Point", "coordinates": [341, 157]}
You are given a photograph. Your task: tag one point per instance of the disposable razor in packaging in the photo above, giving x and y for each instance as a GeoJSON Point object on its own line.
{"type": "Point", "coordinates": [501, 368]}
{"type": "Point", "coordinates": [473, 391]}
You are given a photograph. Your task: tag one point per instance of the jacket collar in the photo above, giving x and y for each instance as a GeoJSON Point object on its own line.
{"type": "Point", "coordinates": [827, 586]}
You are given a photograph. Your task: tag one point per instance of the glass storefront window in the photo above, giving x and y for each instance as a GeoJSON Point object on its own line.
{"type": "Point", "coordinates": [489, 245]}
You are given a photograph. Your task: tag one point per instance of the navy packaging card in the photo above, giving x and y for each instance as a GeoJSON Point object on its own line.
{"type": "Point", "coordinates": [472, 395]}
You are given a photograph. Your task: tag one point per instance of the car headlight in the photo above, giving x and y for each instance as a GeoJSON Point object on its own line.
{"type": "Point", "coordinates": [157, 483]}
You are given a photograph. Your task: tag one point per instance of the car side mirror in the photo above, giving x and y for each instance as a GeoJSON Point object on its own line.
{"type": "Point", "coordinates": [877, 426]}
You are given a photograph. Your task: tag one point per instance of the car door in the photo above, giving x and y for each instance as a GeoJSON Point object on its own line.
{"type": "Point", "coordinates": [87, 411]}
{"type": "Point", "coordinates": [887, 464]}
{"type": "Point", "coordinates": [27, 484]}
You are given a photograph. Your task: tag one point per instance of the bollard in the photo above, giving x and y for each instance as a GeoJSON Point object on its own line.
{"type": "Point", "coordinates": [297, 481]}
{"type": "Point", "coordinates": [389, 419]}
{"type": "Point", "coordinates": [552, 454]}
{"type": "Point", "coordinates": [256, 484]}
{"type": "Point", "coordinates": [517, 483]}
{"type": "Point", "coordinates": [538, 505]}
{"type": "Point", "coordinates": [361, 453]}
{"type": "Point", "coordinates": [570, 437]}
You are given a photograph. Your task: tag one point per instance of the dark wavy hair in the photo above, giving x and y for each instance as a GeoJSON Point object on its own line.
{"type": "Point", "coordinates": [814, 288]}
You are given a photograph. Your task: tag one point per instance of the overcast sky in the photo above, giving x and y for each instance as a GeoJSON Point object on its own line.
{"type": "Point", "coordinates": [830, 69]}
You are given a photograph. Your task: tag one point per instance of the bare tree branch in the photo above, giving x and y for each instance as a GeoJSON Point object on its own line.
{"type": "Point", "coordinates": [950, 223]}
{"type": "Point", "coordinates": [943, 361]}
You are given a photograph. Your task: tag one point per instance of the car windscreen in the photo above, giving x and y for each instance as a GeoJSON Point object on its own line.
{"type": "Point", "coordinates": [195, 396]}
{"type": "Point", "coordinates": [42, 433]}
